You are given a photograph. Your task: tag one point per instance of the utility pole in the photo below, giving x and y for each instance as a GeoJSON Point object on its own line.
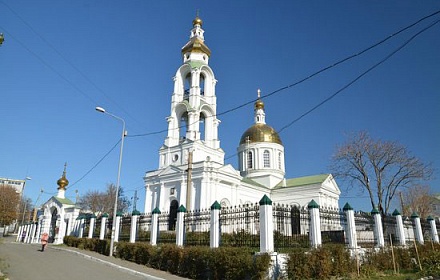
{"type": "Point", "coordinates": [135, 198]}
{"type": "Point", "coordinates": [401, 203]}
{"type": "Point", "coordinates": [188, 180]}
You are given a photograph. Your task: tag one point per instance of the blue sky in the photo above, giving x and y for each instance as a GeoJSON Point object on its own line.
{"type": "Point", "coordinates": [62, 58]}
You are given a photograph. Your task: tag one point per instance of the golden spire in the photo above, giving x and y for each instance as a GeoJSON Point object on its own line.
{"type": "Point", "coordinates": [259, 104]}
{"type": "Point", "coordinates": [63, 182]}
{"type": "Point", "coordinates": [197, 20]}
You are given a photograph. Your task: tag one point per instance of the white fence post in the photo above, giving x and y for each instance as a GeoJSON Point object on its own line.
{"type": "Point", "coordinates": [418, 228]}
{"type": "Point", "coordinates": [154, 226]}
{"type": "Point", "coordinates": [434, 234]}
{"type": "Point", "coordinates": [117, 226]}
{"type": "Point", "coordinates": [399, 228]}
{"type": "Point", "coordinates": [104, 219]}
{"type": "Point", "coordinates": [214, 240]}
{"type": "Point", "coordinates": [133, 225]}
{"type": "Point", "coordinates": [266, 225]}
{"type": "Point", "coordinates": [315, 224]}
{"type": "Point", "coordinates": [92, 226]}
{"type": "Point", "coordinates": [180, 226]}
{"type": "Point", "coordinates": [378, 229]}
{"type": "Point", "coordinates": [350, 229]}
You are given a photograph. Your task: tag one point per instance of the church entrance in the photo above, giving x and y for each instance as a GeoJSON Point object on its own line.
{"type": "Point", "coordinates": [53, 225]}
{"type": "Point", "coordinates": [174, 205]}
{"type": "Point", "coordinates": [295, 220]}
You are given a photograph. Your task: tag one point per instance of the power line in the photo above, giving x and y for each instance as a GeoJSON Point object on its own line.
{"type": "Point", "coordinates": [70, 64]}
{"type": "Point", "coordinates": [99, 161]}
{"type": "Point", "coordinates": [311, 75]}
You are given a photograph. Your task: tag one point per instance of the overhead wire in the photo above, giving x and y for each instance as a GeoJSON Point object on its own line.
{"type": "Point", "coordinates": [69, 63]}
{"type": "Point", "coordinates": [309, 76]}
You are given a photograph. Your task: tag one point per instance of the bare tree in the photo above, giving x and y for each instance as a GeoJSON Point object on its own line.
{"type": "Point", "coordinates": [9, 204]}
{"type": "Point", "coordinates": [103, 202]}
{"type": "Point", "coordinates": [419, 199]}
{"type": "Point", "coordinates": [378, 167]}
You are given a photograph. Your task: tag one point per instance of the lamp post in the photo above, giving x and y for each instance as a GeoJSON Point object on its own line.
{"type": "Point", "coordinates": [115, 210]}
{"type": "Point", "coordinates": [22, 194]}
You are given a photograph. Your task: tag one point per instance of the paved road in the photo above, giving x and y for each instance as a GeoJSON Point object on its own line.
{"type": "Point", "coordinates": [25, 261]}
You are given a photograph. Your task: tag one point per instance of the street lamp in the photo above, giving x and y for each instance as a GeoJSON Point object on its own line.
{"type": "Point", "coordinates": [22, 194]}
{"type": "Point", "coordinates": [112, 240]}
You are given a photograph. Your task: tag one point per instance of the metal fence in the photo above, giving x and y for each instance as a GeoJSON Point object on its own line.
{"type": "Point", "coordinates": [240, 226]}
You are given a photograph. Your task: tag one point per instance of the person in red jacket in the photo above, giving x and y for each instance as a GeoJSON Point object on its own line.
{"type": "Point", "coordinates": [44, 240]}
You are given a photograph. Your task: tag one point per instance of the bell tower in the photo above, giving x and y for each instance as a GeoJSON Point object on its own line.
{"type": "Point", "coordinates": [192, 124]}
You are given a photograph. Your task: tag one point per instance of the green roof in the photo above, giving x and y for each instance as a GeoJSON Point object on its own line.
{"type": "Point", "coordinates": [303, 181]}
{"type": "Point", "coordinates": [63, 200]}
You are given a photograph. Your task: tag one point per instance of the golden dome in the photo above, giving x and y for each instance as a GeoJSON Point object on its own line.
{"type": "Point", "coordinates": [198, 21]}
{"type": "Point", "coordinates": [260, 133]}
{"type": "Point", "coordinates": [259, 104]}
{"type": "Point", "coordinates": [63, 182]}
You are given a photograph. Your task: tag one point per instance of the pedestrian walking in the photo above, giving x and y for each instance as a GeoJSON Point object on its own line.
{"type": "Point", "coordinates": [44, 240]}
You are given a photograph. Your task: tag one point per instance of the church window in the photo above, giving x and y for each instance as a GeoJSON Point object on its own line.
{"type": "Point", "coordinates": [266, 159]}
{"type": "Point", "coordinates": [187, 86]}
{"type": "Point", "coordinates": [183, 125]}
{"type": "Point", "coordinates": [202, 84]}
{"type": "Point", "coordinates": [250, 160]}
{"type": "Point", "coordinates": [202, 126]}
{"type": "Point", "coordinates": [279, 161]}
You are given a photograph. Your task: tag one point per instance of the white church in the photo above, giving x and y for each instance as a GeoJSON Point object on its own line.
{"type": "Point", "coordinates": [192, 171]}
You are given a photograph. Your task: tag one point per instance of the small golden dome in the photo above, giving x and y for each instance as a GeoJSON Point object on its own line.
{"type": "Point", "coordinates": [63, 182]}
{"type": "Point", "coordinates": [260, 133]}
{"type": "Point", "coordinates": [197, 21]}
{"type": "Point", "coordinates": [259, 104]}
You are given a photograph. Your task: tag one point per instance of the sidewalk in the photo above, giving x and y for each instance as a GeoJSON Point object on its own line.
{"type": "Point", "coordinates": [20, 260]}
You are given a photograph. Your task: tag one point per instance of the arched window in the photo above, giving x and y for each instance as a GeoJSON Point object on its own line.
{"type": "Point", "coordinates": [187, 86]}
{"type": "Point", "coordinates": [250, 160]}
{"type": "Point", "coordinates": [202, 84]}
{"type": "Point", "coordinates": [202, 126]}
{"type": "Point", "coordinates": [266, 159]}
{"type": "Point", "coordinates": [183, 125]}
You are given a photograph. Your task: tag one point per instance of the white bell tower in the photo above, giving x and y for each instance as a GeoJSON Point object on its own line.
{"type": "Point", "coordinates": [192, 124]}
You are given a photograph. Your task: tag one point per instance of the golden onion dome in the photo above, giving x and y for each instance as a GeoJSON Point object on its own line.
{"type": "Point", "coordinates": [62, 182]}
{"type": "Point", "coordinates": [197, 21]}
{"type": "Point", "coordinates": [259, 104]}
{"type": "Point", "coordinates": [260, 133]}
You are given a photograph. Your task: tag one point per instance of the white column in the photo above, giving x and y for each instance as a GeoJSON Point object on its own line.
{"type": "Point", "coordinates": [214, 238]}
{"type": "Point", "coordinates": [154, 226]}
{"type": "Point", "coordinates": [38, 233]}
{"type": "Point", "coordinates": [92, 226]}
{"type": "Point", "coordinates": [378, 229]}
{"type": "Point", "coordinates": [350, 229]}
{"type": "Point", "coordinates": [315, 224]}
{"type": "Point", "coordinates": [266, 225]}
{"type": "Point", "coordinates": [28, 233]}
{"type": "Point", "coordinates": [399, 228]}
{"type": "Point", "coordinates": [418, 229]}
{"type": "Point", "coordinates": [133, 225]}
{"type": "Point", "coordinates": [32, 233]}
{"type": "Point", "coordinates": [434, 234]}
{"type": "Point", "coordinates": [103, 226]}
{"type": "Point", "coordinates": [20, 231]}
{"type": "Point", "coordinates": [117, 226]}
{"type": "Point", "coordinates": [180, 227]}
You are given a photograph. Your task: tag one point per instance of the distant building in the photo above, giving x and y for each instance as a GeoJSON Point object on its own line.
{"type": "Point", "coordinates": [192, 171]}
{"type": "Point", "coordinates": [18, 185]}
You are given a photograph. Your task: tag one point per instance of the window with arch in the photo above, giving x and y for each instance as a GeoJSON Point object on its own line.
{"type": "Point", "coordinates": [250, 160]}
{"type": "Point", "coordinates": [183, 125]}
{"type": "Point", "coordinates": [187, 86]}
{"type": "Point", "coordinates": [202, 84]}
{"type": "Point", "coordinates": [202, 126]}
{"type": "Point", "coordinates": [266, 159]}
